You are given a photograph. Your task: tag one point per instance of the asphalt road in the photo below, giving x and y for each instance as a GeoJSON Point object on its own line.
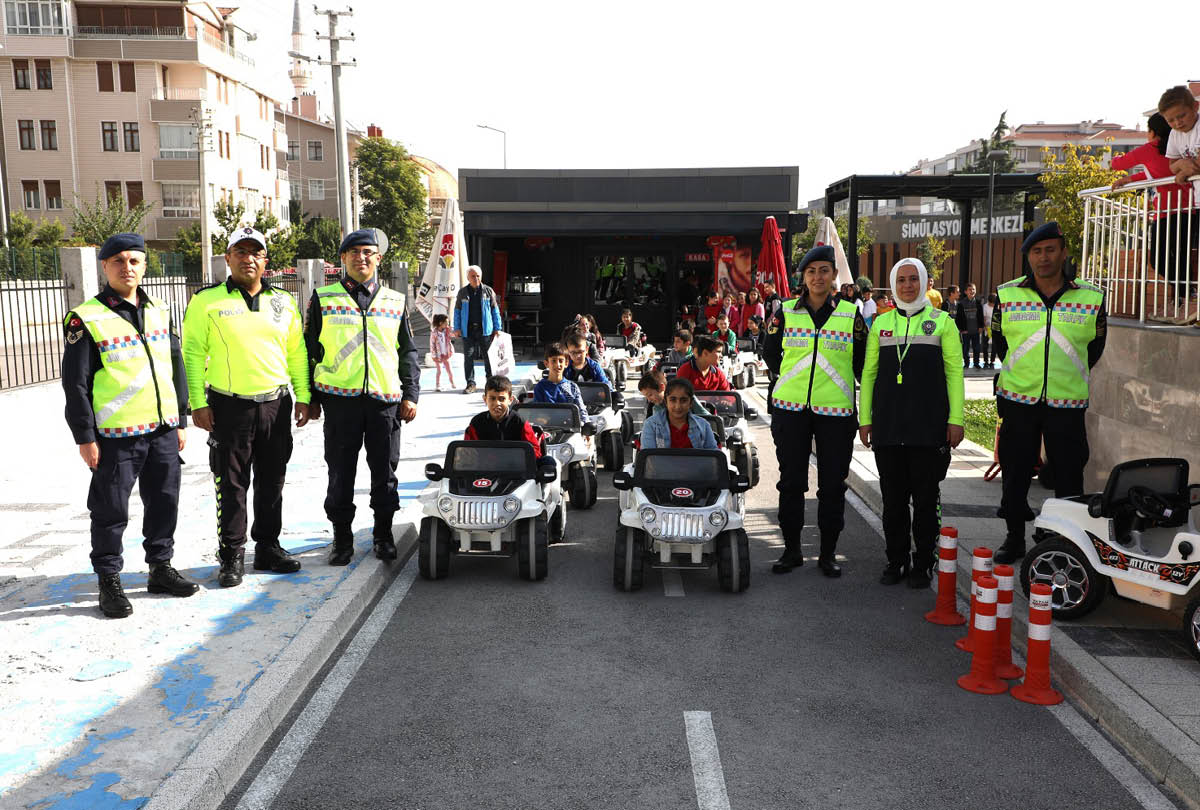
{"type": "Point", "coordinates": [485, 691]}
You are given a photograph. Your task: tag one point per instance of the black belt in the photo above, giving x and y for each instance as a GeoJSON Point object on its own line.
{"type": "Point", "coordinates": [269, 396]}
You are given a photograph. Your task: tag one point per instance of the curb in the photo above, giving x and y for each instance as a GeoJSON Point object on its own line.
{"type": "Point", "coordinates": [211, 770]}
{"type": "Point", "coordinates": [1148, 737]}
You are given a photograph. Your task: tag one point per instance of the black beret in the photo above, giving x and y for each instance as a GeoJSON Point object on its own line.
{"type": "Point", "coordinates": [820, 253]}
{"type": "Point", "coordinates": [120, 242]}
{"type": "Point", "coordinates": [364, 236]}
{"type": "Point", "coordinates": [1048, 230]}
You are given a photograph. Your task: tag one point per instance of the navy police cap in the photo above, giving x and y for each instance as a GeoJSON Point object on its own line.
{"type": "Point", "coordinates": [364, 236]}
{"type": "Point", "coordinates": [820, 253]}
{"type": "Point", "coordinates": [1048, 230]}
{"type": "Point", "coordinates": [120, 242]}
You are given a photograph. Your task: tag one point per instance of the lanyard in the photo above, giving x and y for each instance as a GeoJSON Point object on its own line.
{"type": "Point", "coordinates": [901, 355]}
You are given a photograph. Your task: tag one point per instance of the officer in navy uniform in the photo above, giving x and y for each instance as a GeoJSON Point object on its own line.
{"type": "Point", "coordinates": [127, 412]}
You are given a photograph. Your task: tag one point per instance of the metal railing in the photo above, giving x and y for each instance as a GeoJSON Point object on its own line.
{"type": "Point", "coordinates": [181, 94]}
{"type": "Point", "coordinates": [223, 47]}
{"type": "Point", "coordinates": [129, 32]}
{"type": "Point", "coordinates": [1140, 246]}
{"type": "Point", "coordinates": [32, 308]}
{"type": "Point", "coordinates": [169, 279]}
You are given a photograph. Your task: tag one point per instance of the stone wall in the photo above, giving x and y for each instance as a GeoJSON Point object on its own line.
{"type": "Point", "coordinates": [1145, 398]}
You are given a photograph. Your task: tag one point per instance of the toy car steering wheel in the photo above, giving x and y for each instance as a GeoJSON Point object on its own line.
{"type": "Point", "coordinates": [1150, 504]}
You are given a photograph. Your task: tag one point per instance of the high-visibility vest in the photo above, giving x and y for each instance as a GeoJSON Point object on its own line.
{"type": "Point", "coordinates": [817, 371]}
{"type": "Point", "coordinates": [133, 393]}
{"type": "Point", "coordinates": [1047, 350]}
{"type": "Point", "coordinates": [360, 345]}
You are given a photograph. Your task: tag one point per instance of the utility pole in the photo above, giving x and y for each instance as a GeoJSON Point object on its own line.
{"type": "Point", "coordinates": [992, 156]}
{"type": "Point", "coordinates": [345, 217]}
{"type": "Point", "coordinates": [202, 116]}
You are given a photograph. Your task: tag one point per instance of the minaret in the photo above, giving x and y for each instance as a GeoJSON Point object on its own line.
{"type": "Point", "coordinates": [300, 74]}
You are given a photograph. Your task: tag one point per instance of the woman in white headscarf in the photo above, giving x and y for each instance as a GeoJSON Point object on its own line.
{"type": "Point", "coordinates": [911, 414]}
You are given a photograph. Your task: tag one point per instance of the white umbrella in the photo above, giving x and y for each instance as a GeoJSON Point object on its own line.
{"type": "Point", "coordinates": [827, 235]}
{"type": "Point", "coordinates": [446, 270]}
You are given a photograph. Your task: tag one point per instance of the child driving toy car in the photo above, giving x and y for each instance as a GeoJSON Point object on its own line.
{"type": "Point", "coordinates": [554, 387]}
{"type": "Point", "coordinates": [499, 422]}
{"type": "Point", "coordinates": [675, 426]}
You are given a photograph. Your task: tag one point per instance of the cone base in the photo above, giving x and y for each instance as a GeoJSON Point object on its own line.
{"type": "Point", "coordinates": [965, 644]}
{"type": "Point", "coordinates": [1009, 672]}
{"type": "Point", "coordinates": [945, 619]}
{"type": "Point", "coordinates": [982, 686]}
{"type": "Point", "coordinates": [1038, 697]}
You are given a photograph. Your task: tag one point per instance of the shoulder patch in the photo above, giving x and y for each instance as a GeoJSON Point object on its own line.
{"type": "Point", "coordinates": [73, 328]}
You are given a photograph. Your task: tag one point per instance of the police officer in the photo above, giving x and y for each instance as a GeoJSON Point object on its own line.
{"type": "Point", "coordinates": [242, 345]}
{"type": "Point", "coordinates": [911, 408]}
{"type": "Point", "coordinates": [366, 375]}
{"type": "Point", "coordinates": [122, 373]}
{"type": "Point", "coordinates": [1049, 331]}
{"type": "Point", "coordinates": [816, 345]}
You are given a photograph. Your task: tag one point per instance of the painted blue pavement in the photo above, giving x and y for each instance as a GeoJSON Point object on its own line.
{"type": "Point", "coordinates": [106, 708]}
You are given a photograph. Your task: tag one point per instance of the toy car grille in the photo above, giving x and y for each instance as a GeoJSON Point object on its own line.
{"type": "Point", "coordinates": [682, 525]}
{"type": "Point", "coordinates": [478, 513]}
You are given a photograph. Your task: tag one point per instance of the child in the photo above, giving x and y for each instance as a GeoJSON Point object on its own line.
{"type": "Point", "coordinates": [581, 325]}
{"type": "Point", "coordinates": [580, 367]}
{"type": "Point", "coordinates": [754, 331]}
{"type": "Point", "coordinates": [701, 370]}
{"type": "Point", "coordinates": [653, 386]}
{"type": "Point", "coordinates": [681, 350]}
{"type": "Point", "coordinates": [753, 308]}
{"type": "Point", "coordinates": [630, 329]}
{"type": "Point", "coordinates": [711, 310]}
{"type": "Point", "coordinates": [731, 309]}
{"type": "Point", "coordinates": [441, 347]}
{"type": "Point", "coordinates": [498, 422]}
{"type": "Point", "coordinates": [593, 332]}
{"type": "Point", "coordinates": [553, 387]}
{"type": "Point", "coordinates": [725, 335]}
{"type": "Point", "coordinates": [675, 426]}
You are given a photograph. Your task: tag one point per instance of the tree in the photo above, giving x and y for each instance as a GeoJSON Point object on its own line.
{"type": "Point", "coordinates": [281, 240]}
{"type": "Point", "coordinates": [1063, 179]}
{"type": "Point", "coordinates": [320, 238]}
{"type": "Point", "coordinates": [394, 198]}
{"type": "Point", "coordinates": [229, 218]}
{"type": "Point", "coordinates": [934, 253]}
{"type": "Point", "coordinates": [802, 242]}
{"type": "Point", "coordinates": [49, 233]}
{"type": "Point", "coordinates": [95, 221]}
{"type": "Point", "coordinates": [990, 143]}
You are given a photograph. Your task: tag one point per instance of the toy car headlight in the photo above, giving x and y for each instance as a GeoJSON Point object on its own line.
{"type": "Point", "coordinates": [656, 531]}
{"type": "Point", "coordinates": [511, 505]}
{"type": "Point", "coordinates": [735, 435]}
{"type": "Point", "coordinates": [647, 515]}
{"type": "Point", "coordinates": [563, 452]}
{"type": "Point", "coordinates": [717, 518]}
{"type": "Point", "coordinates": [445, 504]}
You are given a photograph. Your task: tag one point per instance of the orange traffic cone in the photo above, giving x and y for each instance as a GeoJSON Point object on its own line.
{"type": "Point", "coordinates": [945, 609]}
{"type": "Point", "coordinates": [982, 677]}
{"type": "Point", "coordinates": [981, 566]}
{"type": "Point", "coordinates": [1005, 668]}
{"type": "Point", "coordinates": [1036, 688]}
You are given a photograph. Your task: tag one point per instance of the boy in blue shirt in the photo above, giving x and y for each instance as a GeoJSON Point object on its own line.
{"type": "Point", "coordinates": [582, 368]}
{"type": "Point", "coordinates": [553, 387]}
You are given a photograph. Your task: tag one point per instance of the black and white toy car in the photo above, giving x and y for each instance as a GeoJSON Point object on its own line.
{"type": "Point", "coordinates": [614, 424]}
{"type": "Point", "coordinates": [752, 364]}
{"type": "Point", "coordinates": [490, 499]}
{"type": "Point", "coordinates": [733, 412]}
{"type": "Point", "coordinates": [569, 441]}
{"type": "Point", "coordinates": [626, 361]}
{"type": "Point", "coordinates": [681, 509]}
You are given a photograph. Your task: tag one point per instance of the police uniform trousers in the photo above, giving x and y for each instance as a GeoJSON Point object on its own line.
{"type": "Point", "coordinates": [249, 438]}
{"type": "Point", "coordinates": [793, 432]}
{"type": "Point", "coordinates": [1021, 433]}
{"type": "Point", "coordinates": [351, 422]}
{"type": "Point", "coordinates": [153, 461]}
{"type": "Point", "coordinates": [911, 474]}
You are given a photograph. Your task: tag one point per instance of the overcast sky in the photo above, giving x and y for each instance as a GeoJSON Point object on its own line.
{"type": "Point", "coordinates": [835, 88]}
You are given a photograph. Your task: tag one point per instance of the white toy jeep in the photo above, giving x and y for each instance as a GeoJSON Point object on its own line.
{"type": "Point", "coordinates": [733, 412]}
{"type": "Point", "coordinates": [606, 410]}
{"type": "Point", "coordinates": [570, 442]}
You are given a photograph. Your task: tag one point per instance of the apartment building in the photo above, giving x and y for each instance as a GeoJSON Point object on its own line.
{"type": "Point", "coordinates": [104, 97]}
{"type": "Point", "coordinates": [309, 157]}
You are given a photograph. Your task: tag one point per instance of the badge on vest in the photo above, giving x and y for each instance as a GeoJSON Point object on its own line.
{"type": "Point", "coordinates": [928, 326]}
{"type": "Point", "coordinates": [277, 308]}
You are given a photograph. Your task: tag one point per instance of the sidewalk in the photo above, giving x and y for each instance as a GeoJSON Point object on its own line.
{"type": "Point", "coordinates": [1125, 665]}
{"type": "Point", "coordinates": [100, 712]}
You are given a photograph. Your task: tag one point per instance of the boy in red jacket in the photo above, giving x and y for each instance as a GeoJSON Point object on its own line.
{"type": "Point", "coordinates": [499, 422]}
{"type": "Point", "coordinates": [701, 370]}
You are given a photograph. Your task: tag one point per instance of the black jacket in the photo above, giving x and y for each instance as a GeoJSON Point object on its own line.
{"type": "Point", "coordinates": [960, 314]}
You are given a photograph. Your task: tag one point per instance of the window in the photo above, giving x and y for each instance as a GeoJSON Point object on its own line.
{"type": "Point", "coordinates": [49, 135]}
{"type": "Point", "coordinates": [133, 140]}
{"type": "Point", "coordinates": [33, 197]}
{"type": "Point", "coordinates": [176, 142]}
{"type": "Point", "coordinates": [316, 150]}
{"type": "Point", "coordinates": [104, 77]}
{"type": "Point", "coordinates": [25, 129]}
{"type": "Point", "coordinates": [128, 83]}
{"type": "Point", "coordinates": [316, 189]}
{"type": "Point", "coordinates": [294, 190]}
{"type": "Point", "coordinates": [133, 193]}
{"type": "Point", "coordinates": [228, 150]}
{"type": "Point", "coordinates": [108, 136]}
{"type": "Point", "coordinates": [34, 17]}
{"type": "Point", "coordinates": [112, 190]}
{"type": "Point", "coordinates": [45, 76]}
{"type": "Point", "coordinates": [180, 200]}
{"type": "Point", "coordinates": [21, 74]}
{"type": "Point", "coordinates": [53, 195]}
{"type": "Point", "coordinates": [293, 152]}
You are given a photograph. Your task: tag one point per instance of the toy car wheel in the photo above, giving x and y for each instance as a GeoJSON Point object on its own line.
{"type": "Point", "coordinates": [1191, 626]}
{"type": "Point", "coordinates": [614, 451]}
{"type": "Point", "coordinates": [622, 375]}
{"type": "Point", "coordinates": [627, 426]}
{"type": "Point", "coordinates": [733, 560]}
{"type": "Point", "coordinates": [629, 552]}
{"type": "Point", "coordinates": [1077, 589]}
{"type": "Point", "coordinates": [558, 523]}
{"type": "Point", "coordinates": [750, 376]}
{"type": "Point", "coordinates": [433, 549]}
{"type": "Point", "coordinates": [533, 541]}
{"type": "Point", "coordinates": [582, 487]}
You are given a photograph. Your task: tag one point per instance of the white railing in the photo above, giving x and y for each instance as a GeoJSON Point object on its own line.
{"type": "Point", "coordinates": [1139, 245]}
{"type": "Point", "coordinates": [223, 47]}
{"type": "Point", "coordinates": [181, 94]}
{"type": "Point", "coordinates": [128, 32]}
{"type": "Point", "coordinates": [177, 154]}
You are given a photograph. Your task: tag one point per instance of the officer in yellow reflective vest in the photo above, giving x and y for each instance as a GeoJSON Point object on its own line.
{"type": "Point", "coordinates": [122, 373]}
{"type": "Point", "coordinates": [815, 345]}
{"type": "Point", "coordinates": [1049, 332]}
{"type": "Point", "coordinates": [243, 345]}
{"type": "Point", "coordinates": [366, 376]}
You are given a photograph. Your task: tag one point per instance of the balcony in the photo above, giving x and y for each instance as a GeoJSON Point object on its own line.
{"type": "Point", "coordinates": [128, 32]}
{"type": "Point", "coordinates": [281, 174]}
{"type": "Point", "coordinates": [180, 94]}
{"type": "Point", "coordinates": [171, 111]}
{"type": "Point", "coordinates": [169, 227]}
{"type": "Point", "coordinates": [168, 44]}
{"type": "Point", "coordinates": [175, 170]}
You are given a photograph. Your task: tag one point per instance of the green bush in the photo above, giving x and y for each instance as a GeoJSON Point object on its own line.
{"type": "Point", "coordinates": [979, 417]}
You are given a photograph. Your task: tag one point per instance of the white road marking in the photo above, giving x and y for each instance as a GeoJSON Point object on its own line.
{"type": "Point", "coordinates": [706, 762]}
{"type": "Point", "coordinates": [278, 769]}
{"type": "Point", "coordinates": [864, 511]}
{"type": "Point", "coordinates": [672, 582]}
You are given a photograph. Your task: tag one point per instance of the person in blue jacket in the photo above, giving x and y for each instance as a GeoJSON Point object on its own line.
{"type": "Point", "coordinates": [554, 387]}
{"type": "Point", "coordinates": [676, 426]}
{"type": "Point", "coordinates": [476, 320]}
{"type": "Point", "coordinates": [580, 367]}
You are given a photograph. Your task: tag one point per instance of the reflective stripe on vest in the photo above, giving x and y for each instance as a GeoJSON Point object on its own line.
{"type": "Point", "coordinates": [133, 392]}
{"type": "Point", "coordinates": [820, 361]}
{"type": "Point", "coordinates": [360, 346]}
{"type": "Point", "coordinates": [1047, 355]}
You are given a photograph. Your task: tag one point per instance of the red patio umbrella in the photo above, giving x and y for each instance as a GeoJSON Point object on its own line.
{"type": "Point", "coordinates": [771, 266]}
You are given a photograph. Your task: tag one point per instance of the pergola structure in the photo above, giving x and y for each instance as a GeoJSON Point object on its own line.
{"type": "Point", "coordinates": [963, 189]}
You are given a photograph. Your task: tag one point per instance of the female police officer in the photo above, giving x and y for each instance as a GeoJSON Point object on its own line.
{"type": "Point", "coordinates": [815, 346]}
{"type": "Point", "coordinates": [911, 407]}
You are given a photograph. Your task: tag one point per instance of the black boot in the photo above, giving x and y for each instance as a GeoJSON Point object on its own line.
{"type": "Point", "coordinates": [1010, 551]}
{"type": "Point", "coordinates": [385, 544]}
{"type": "Point", "coordinates": [165, 579]}
{"type": "Point", "coordinates": [271, 557]}
{"type": "Point", "coordinates": [920, 576]}
{"type": "Point", "coordinates": [233, 568]}
{"type": "Point", "coordinates": [793, 557]}
{"type": "Point", "coordinates": [113, 602]}
{"type": "Point", "coordinates": [827, 562]}
{"type": "Point", "coordinates": [343, 544]}
{"type": "Point", "coordinates": [893, 575]}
